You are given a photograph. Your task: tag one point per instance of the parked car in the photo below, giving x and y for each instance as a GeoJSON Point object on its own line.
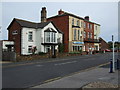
{"type": "Point", "coordinates": [106, 50]}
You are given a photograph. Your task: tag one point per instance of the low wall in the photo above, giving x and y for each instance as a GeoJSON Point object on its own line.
{"type": "Point", "coordinates": [8, 56]}
{"type": "Point", "coordinates": [38, 57]}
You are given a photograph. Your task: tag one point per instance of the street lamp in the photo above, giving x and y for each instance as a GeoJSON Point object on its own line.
{"type": "Point", "coordinates": [113, 54]}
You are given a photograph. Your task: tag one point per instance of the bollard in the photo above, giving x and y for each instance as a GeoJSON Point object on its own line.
{"type": "Point", "coordinates": [111, 66]}
{"type": "Point", "coordinates": [117, 63]}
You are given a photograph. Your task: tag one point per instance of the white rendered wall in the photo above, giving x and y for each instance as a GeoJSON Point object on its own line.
{"type": "Point", "coordinates": [38, 38]}
{"type": "Point", "coordinates": [24, 40]}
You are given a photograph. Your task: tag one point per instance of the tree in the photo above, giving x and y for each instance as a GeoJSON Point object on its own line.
{"type": "Point", "coordinates": [61, 47]}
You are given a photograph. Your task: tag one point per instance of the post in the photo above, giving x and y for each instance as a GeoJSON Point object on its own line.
{"type": "Point", "coordinates": [111, 66]}
{"type": "Point", "coordinates": [113, 54]}
{"type": "Point", "coordinates": [118, 64]}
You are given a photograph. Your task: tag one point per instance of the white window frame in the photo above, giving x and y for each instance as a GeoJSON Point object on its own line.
{"type": "Point", "coordinates": [30, 36]}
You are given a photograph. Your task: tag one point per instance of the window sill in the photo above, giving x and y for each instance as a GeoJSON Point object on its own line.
{"type": "Point", "coordinates": [30, 40]}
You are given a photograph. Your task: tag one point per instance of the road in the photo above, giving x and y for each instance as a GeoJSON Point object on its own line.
{"type": "Point", "coordinates": [31, 74]}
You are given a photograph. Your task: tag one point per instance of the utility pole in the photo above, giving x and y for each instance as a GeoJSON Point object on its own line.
{"type": "Point", "coordinates": [113, 54]}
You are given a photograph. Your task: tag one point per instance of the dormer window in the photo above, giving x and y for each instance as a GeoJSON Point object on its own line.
{"type": "Point", "coordinates": [14, 32]}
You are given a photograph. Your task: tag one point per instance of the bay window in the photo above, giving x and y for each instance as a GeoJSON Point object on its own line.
{"type": "Point", "coordinates": [50, 37]}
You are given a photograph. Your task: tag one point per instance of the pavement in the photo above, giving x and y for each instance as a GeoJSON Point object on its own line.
{"type": "Point", "coordinates": [82, 78]}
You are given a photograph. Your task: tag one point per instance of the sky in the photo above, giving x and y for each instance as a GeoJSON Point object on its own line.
{"type": "Point", "coordinates": [103, 13]}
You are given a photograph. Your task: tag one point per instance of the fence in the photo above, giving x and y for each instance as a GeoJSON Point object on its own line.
{"type": "Point", "coordinates": [8, 56]}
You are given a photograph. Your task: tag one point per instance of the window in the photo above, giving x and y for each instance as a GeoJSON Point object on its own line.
{"type": "Point", "coordinates": [78, 34]}
{"type": "Point", "coordinates": [50, 37]}
{"type": "Point", "coordinates": [15, 32]}
{"type": "Point", "coordinates": [77, 48]}
{"type": "Point", "coordinates": [72, 21]}
{"type": "Point", "coordinates": [30, 36]}
{"type": "Point", "coordinates": [85, 25]}
{"type": "Point", "coordinates": [88, 35]}
{"type": "Point", "coordinates": [47, 36]}
{"type": "Point", "coordinates": [96, 27]}
{"type": "Point", "coordinates": [91, 35]}
{"type": "Point", "coordinates": [54, 37]}
{"type": "Point", "coordinates": [75, 34]}
{"type": "Point", "coordinates": [29, 49]}
{"type": "Point", "coordinates": [81, 24]}
{"type": "Point", "coordinates": [90, 26]}
{"type": "Point", "coordinates": [84, 34]}
{"type": "Point", "coordinates": [77, 22]}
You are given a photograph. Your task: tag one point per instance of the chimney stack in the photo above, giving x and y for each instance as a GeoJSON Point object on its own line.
{"type": "Point", "coordinates": [87, 18]}
{"type": "Point", "coordinates": [43, 14]}
{"type": "Point", "coordinates": [60, 12]}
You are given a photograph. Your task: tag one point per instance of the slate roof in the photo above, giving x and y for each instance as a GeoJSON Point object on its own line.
{"type": "Point", "coordinates": [28, 24]}
{"type": "Point", "coordinates": [69, 14]}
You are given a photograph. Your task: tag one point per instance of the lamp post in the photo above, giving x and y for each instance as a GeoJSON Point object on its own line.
{"type": "Point", "coordinates": [113, 54]}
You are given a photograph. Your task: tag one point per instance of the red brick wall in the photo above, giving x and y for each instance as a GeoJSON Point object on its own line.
{"type": "Point", "coordinates": [62, 23]}
{"type": "Point", "coordinates": [16, 38]}
{"type": "Point", "coordinates": [103, 44]}
{"type": "Point", "coordinates": [91, 31]}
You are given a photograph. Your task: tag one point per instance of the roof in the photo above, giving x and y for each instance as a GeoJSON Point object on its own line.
{"type": "Point", "coordinates": [50, 30]}
{"type": "Point", "coordinates": [69, 14]}
{"type": "Point", "coordinates": [28, 24]}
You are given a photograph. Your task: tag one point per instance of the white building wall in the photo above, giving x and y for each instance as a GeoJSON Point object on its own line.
{"type": "Point", "coordinates": [4, 43]}
{"type": "Point", "coordinates": [24, 40]}
{"type": "Point", "coordinates": [96, 33]}
{"type": "Point", "coordinates": [38, 38]}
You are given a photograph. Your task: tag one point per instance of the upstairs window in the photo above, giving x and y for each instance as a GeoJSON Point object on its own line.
{"type": "Point", "coordinates": [96, 27]}
{"type": "Point", "coordinates": [75, 34]}
{"type": "Point", "coordinates": [81, 24]}
{"type": "Point", "coordinates": [90, 26]}
{"type": "Point", "coordinates": [14, 32]}
{"type": "Point", "coordinates": [84, 34]}
{"type": "Point", "coordinates": [78, 34]}
{"type": "Point", "coordinates": [72, 21]}
{"type": "Point", "coordinates": [77, 22]}
{"type": "Point", "coordinates": [91, 35]}
{"type": "Point", "coordinates": [50, 37]}
{"type": "Point", "coordinates": [30, 36]}
{"type": "Point", "coordinates": [85, 24]}
{"type": "Point", "coordinates": [47, 36]}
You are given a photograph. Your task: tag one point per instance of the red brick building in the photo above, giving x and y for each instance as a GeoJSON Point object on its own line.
{"type": "Point", "coordinates": [103, 45]}
{"type": "Point", "coordinates": [68, 23]}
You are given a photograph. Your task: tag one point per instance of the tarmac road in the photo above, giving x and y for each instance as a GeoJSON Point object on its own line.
{"type": "Point", "coordinates": [27, 75]}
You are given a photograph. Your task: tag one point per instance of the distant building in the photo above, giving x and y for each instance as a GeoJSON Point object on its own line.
{"type": "Point", "coordinates": [29, 36]}
{"type": "Point", "coordinates": [103, 44]}
{"type": "Point", "coordinates": [79, 33]}
{"type": "Point", "coordinates": [7, 45]}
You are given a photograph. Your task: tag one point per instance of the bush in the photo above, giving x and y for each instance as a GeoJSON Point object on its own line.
{"type": "Point", "coordinates": [41, 53]}
{"type": "Point", "coordinates": [74, 52]}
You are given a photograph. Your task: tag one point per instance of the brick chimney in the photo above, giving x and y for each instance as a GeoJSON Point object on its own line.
{"type": "Point", "coordinates": [86, 17]}
{"type": "Point", "coordinates": [60, 12]}
{"type": "Point", "coordinates": [43, 14]}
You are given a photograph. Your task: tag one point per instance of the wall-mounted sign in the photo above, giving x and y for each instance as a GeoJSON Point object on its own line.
{"type": "Point", "coordinates": [78, 42]}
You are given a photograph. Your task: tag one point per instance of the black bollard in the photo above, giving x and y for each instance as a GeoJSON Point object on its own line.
{"type": "Point", "coordinates": [117, 63]}
{"type": "Point", "coordinates": [111, 66]}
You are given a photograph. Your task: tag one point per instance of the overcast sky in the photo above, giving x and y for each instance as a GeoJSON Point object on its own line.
{"type": "Point", "coordinates": [103, 13]}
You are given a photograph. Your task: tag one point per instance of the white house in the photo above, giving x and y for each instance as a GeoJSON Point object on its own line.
{"type": "Point", "coordinates": [32, 37]}
{"type": "Point", "coordinates": [41, 38]}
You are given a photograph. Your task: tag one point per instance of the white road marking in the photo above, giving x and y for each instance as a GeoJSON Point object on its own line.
{"type": "Point", "coordinates": [38, 65]}
{"type": "Point", "coordinates": [65, 63]}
